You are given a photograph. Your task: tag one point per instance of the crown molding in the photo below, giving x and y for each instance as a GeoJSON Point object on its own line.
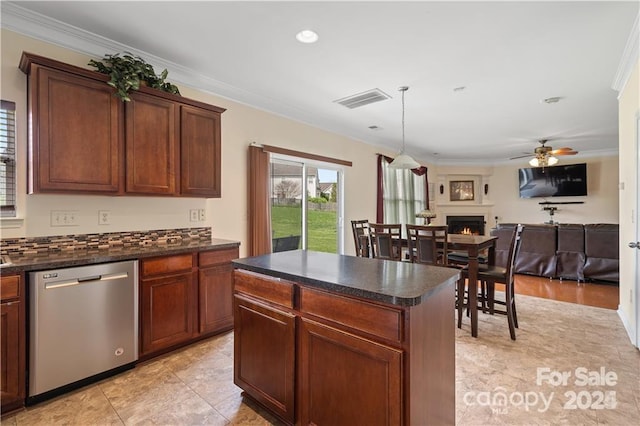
{"type": "Point", "coordinates": [31, 24]}
{"type": "Point", "coordinates": [504, 162]}
{"type": "Point", "coordinates": [41, 27]}
{"type": "Point", "coordinates": [38, 26]}
{"type": "Point", "coordinates": [629, 57]}
{"type": "Point", "coordinates": [35, 25]}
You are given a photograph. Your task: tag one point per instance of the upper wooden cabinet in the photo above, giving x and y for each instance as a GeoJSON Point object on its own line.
{"type": "Point", "coordinates": [75, 139]}
{"type": "Point", "coordinates": [200, 138]}
{"type": "Point", "coordinates": [152, 145]}
{"type": "Point", "coordinates": [80, 135]}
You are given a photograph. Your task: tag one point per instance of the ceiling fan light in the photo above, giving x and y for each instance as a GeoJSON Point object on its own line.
{"type": "Point", "coordinates": [534, 162]}
{"type": "Point", "coordinates": [552, 161]}
{"type": "Point", "coordinates": [404, 161]}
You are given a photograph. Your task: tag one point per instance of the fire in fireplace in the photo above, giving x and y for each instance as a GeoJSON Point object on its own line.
{"type": "Point", "coordinates": [471, 225]}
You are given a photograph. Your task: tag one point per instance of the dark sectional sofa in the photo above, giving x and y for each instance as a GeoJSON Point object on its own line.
{"type": "Point", "coordinates": [572, 251]}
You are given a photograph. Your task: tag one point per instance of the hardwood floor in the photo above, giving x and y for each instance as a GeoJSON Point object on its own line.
{"type": "Point", "coordinates": [590, 294]}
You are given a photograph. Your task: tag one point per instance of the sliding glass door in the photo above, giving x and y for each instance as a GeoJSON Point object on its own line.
{"type": "Point", "coordinates": [306, 206]}
{"type": "Point", "coordinates": [287, 186]}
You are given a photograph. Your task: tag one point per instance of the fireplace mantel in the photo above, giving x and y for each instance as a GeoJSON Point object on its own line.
{"type": "Point", "coordinates": [462, 204]}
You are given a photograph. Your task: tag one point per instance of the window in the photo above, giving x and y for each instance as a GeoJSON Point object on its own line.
{"type": "Point", "coordinates": [282, 185]}
{"type": "Point", "coordinates": [404, 193]}
{"type": "Point", "coordinates": [8, 159]}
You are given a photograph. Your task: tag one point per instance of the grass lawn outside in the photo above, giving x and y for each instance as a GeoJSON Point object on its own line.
{"type": "Point", "coordinates": [321, 231]}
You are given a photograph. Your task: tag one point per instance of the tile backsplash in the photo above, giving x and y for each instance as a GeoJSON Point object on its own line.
{"type": "Point", "coordinates": [60, 243]}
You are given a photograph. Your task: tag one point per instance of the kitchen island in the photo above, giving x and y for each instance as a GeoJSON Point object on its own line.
{"type": "Point", "coordinates": [328, 339]}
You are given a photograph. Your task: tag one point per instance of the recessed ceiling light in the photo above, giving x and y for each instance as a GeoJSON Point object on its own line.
{"type": "Point", "coordinates": [307, 36]}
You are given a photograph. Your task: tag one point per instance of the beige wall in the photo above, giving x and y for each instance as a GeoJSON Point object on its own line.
{"type": "Point", "coordinates": [241, 125]}
{"type": "Point", "coordinates": [227, 215]}
{"type": "Point", "coordinates": [600, 205]}
{"type": "Point", "coordinates": [629, 114]}
{"type": "Point", "coordinates": [503, 200]}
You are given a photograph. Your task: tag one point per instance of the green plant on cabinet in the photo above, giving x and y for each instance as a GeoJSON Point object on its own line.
{"type": "Point", "coordinates": [128, 72]}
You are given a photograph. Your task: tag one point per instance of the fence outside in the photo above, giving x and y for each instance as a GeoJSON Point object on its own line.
{"type": "Point", "coordinates": [328, 206]}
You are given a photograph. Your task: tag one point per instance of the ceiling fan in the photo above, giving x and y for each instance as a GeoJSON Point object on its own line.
{"type": "Point", "coordinates": [546, 155]}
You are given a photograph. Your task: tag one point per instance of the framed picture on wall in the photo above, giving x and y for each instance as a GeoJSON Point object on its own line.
{"type": "Point", "coordinates": [460, 190]}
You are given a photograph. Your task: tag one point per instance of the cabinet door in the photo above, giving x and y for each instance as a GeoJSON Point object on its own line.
{"type": "Point", "coordinates": [168, 311]}
{"type": "Point", "coordinates": [264, 351]}
{"type": "Point", "coordinates": [216, 300]}
{"type": "Point", "coordinates": [200, 152]}
{"type": "Point", "coordinates": [10, 384]}
{"type": "Point", "coordinates": [76, 134]}
{"type": "Point", "coordinates": [345, 379]}
{"type": "Point", "coordinates": [152, 145]}
{"type": "Point", "coordinates": [12, 342]}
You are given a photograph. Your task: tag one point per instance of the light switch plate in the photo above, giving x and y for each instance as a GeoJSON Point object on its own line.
{"type": "Point", "coordinates": [64, 218]}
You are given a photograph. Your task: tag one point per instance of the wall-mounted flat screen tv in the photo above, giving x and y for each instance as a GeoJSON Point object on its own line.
{"type": "Point", "coordinates": [568, 180]}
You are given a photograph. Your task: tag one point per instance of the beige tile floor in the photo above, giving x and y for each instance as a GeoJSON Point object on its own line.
{"type": "Point", "coordinates": [195, 385]}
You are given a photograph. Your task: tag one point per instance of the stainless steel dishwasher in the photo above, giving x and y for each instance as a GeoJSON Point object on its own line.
{"type": "Point", "coordinates": [83, 326]}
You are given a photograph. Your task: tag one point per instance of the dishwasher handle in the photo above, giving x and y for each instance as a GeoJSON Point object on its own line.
{"type": "Point", "coordinates": [90, 278]}
{"type": "Point", "coordinates": [84, 280]}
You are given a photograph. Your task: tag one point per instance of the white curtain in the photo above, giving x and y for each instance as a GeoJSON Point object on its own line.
{"type": "Point", "coordinates": [404, 195]}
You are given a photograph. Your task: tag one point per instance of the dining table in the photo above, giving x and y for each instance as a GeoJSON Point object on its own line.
{"type": "Point", "coordinates": [473, 245]}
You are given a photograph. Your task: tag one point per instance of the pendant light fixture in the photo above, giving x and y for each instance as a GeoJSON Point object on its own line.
{"type": "Point", "coordinates": [403, 161]}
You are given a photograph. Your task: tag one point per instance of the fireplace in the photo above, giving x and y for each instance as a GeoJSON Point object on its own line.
{"type": "Point", "coordinates": [473, 225]}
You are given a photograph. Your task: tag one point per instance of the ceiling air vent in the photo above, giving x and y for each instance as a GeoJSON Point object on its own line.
{"type": "Point", "coordinates": [364, 98]}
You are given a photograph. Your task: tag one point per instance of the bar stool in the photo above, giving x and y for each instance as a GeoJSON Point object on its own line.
{"type": "Point", "coordinates": [386, 240]}
{"type": "Point", "coordinates": [361, 237]}
{"type": "Point", "coordinates": [489, 275]}
{"type": "Point", "coordinates": [427, 244]}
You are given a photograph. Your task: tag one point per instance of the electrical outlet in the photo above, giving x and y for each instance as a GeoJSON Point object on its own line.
{"type": "Point", "coordinates": [202, 215]}
{"type": "Point", "coordinates": [104, 217]}
{"type": "Point", "coordinates": [193, 215]}
{"type": "Point", "coordinates": [64, 218]}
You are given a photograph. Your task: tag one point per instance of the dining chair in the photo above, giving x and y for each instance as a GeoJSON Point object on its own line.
{"type": "Point", "coordinates": [427, 244]}
{"type": "Point", "coordinates": [361, 237]}
{"type": "Point", "coordinates": [488, 276]}
{"type": "Point", "coordinates": [386, 240]}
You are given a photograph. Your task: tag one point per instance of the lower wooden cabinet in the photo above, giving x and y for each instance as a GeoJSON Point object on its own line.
{"type": "Point", "coordinates": [309, 372]}
{"type": "Point", "coordinates": [215, 290]}
{"type": "Point", "coordinates": [168, 302]}
{"type": "Point", "coordinates": [185, 297]}
{"type": "Point", "coordinates": [264, 355]}
{"type": "Point", "coordinates": [346, 379]}
{"type": "Point", "coordinates": [12, 338]}
{"type": "Point", "coordinates": [315, 357]}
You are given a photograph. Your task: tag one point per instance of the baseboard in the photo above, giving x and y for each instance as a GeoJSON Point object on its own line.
{"type": "Point", "coordinates": [630, 331]}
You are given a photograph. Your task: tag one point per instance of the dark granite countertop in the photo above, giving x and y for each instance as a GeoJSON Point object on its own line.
{"type": "Point", "coordinates": [398, 283]}
{"type": "Point", "coordinates": [78, 257]}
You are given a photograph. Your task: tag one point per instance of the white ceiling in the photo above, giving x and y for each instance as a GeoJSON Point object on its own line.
{"type": "Point", "coordinates": [508, 55]}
